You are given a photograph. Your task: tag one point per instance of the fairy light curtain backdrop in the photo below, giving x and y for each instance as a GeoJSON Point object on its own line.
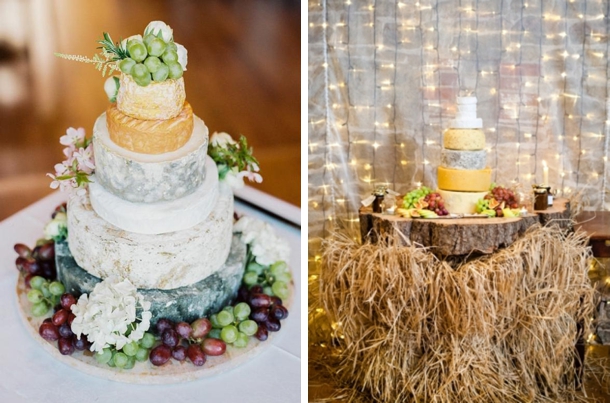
{"type": "Point", "coordinates": [384, 76]}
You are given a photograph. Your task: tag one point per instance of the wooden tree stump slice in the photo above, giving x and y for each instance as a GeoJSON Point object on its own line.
{"type": "Point", "coordinates": [460, 236]}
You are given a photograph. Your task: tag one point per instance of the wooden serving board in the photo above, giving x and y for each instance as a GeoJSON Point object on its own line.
{"type": "Point", "coordinates": [143, 372]}
{"type": "Point", "coordinates": [460, 236]}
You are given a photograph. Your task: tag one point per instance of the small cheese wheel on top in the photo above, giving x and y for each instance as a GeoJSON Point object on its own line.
{"type": "Point", "coordinates": [158, 100]}
{"type": "Point", "coordinates": [150, 136]}
{"type": "Point", "coordinates": [462, 180]}
{"type": "Point", "coordinates": [464, 139]}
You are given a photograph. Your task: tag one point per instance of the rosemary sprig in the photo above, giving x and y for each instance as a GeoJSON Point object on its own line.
{"type": "Point", "coordinates": [108, 46]}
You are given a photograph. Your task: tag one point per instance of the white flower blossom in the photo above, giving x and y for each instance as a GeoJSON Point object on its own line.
{"type": "Point", "coordinates": [106, 314]}
{"type": "Point", "coordinates": [155, 27]}
{"type": "Point", "coordinates": [182, 55]}
{"type": "Point", "coordinates": [111, 86]}
{"type": "Point", "coordinates": [56, 226]}
{"type": "Point", "coordinates": [221, 139]}
{"type": "Point", "coordinates": [265, 245]}
{"type": "Point", "coordinates": [72, 136]}
{"type": "Point", "coordinates": [126, 40]}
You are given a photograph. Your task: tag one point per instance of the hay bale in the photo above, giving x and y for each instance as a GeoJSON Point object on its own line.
{"type": "Point", "coordinates": [496, 328]}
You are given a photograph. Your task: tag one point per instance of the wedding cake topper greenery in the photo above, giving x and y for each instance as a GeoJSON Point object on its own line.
{"type": "Point", "coordinates": [152, 57]}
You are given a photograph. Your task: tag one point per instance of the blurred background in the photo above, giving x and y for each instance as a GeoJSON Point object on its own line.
{"type": "Point", "coordinates": [243, 77]}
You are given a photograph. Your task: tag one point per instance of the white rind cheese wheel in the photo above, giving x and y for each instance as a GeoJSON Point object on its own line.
{"type": "Point", "coordinates": [464, 139]}
{"type": "Point", "coordinates": [166, 261]}
{"type": "Point", "coordinates": [455, 159]}
{"type": "Point", "coordinates": [150, 178]}
{"type": "Point", "coordinates": [461, 202]}
{"type": "Point", "coordinates": [464, 180]}
{"type": "Point", "coordinates": [158, 100]}
{"type": "Point", "coordinates": [161, 217]}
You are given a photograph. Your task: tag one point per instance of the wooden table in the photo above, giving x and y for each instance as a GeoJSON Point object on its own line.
{"type": "Point", "coordinates": [597, 226]}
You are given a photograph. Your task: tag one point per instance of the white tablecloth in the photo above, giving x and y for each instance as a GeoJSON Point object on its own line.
{"type": "Point", "coordinates": [29, 374]}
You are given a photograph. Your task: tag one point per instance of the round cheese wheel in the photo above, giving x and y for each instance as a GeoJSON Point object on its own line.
{"type": "Point", "coordinates": [464, 139]}
{"type": "Point", "coordinates": [158, 100]}
{"type": "Point", "coordinates": [461, 202]}
{"type": "Point", "coordinates": [464, 180]}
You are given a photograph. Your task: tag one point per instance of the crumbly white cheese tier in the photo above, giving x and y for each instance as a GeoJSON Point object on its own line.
{"type": "Point", "coordinates": [158, 100]}
{"type": "Point", "coordinates": [165, 261]}
{"type": "Point", "coordinates": [161, 217]}
{"type": "Point", "coordinates": [461, 202]}
{"type": "Point", "coordinates": [150, 178]}
{"type": "Point", "coordinates": [463, 159]}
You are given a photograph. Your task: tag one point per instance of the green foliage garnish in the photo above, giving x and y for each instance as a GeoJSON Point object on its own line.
{"type": "Point", "coordinates": [106, 60]}
{"type": "Point", "coordinates": [109, 47]}
{"type": "Point", "coordinates": [237, 155]}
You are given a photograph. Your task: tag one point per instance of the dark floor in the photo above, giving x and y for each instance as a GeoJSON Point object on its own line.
{"type": "Point", "coordinates": [243, 78]}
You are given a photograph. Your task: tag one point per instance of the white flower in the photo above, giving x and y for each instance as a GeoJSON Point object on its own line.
{"type": "Point", "coordinates": [182, 55]}
{"type": "Point", "coordinates": [265, 245]}
{"type": "Point", "coordinates": [222, 139]}
{"type": "Point", "coordinates": [84, 156]}
{"type": "Point", "coordinates": [56, 226]}
{"type": "Point", "coordinates": [73, 136]}
{"type": "Point", "coordinates": [125, 41]}
{"type": "Point", "coordinates": [106, 314]}
{"type": "Point", "coordinates": [111, 86]}
{"type": "Point", "coordinates": [234, 179]}
{"type": "Point", "coordinates": [155, 27]}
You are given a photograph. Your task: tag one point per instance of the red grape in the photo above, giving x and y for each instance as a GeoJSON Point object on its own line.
{"type": "Point", "coordinates": [48, 331]}
{"type": "Point", "coordinates": [65, 345]}
{"type": "Point", "coordinates": [164, 324]}
{"type": "Point", "coordinates": [82, 343]}
{"type": "Point", "coordinates": [261, 334]}
{"type": "Point", "coordinates": [170, 338]}
{"type": "Point", "coordinates": [183, 329]}
{"type": "Point", "coordinates": [276, 300]}
{"type": "Point", "coordinates": [22, 250]}
{"type": "Point", "coordinates": [260, 301]}
{"type": "Point", "coordinates": [46, 251]}
{"type": "Point", "coordinates": [201, 327]}
{"type": "Point", "coordinates": [214, 347]}
{"type": "Point", "coordinates": [20, 263]}
{"type": "Point", "coordinates": [31, 266]}
{"type": "Point", "coordinates": [279, 312]}
{"type": "Point", "coordinates": [65, 330]}
{"type": "Point", "coordinates": [196, 355]}
{"type": "Point", "coordinates": [256, 289]}
{"type": "Point", "coordinates": [273, 325]}
{"type": "Point", "coordinates": [60, 317]}
{"type": "Point", "coordinates": [179, 353]}
{"type": "Point", "coordinates": [160, 355]}
{"type": "Point", "coordinates": [27, 279]}
{"type": "Point", "coordinates": [67, 300]}
{"type": "Point", "coordinates": [260, 315]}
{"type": "Point", "coordinates": [243, 294]}
{"type": "Point", "coordinates": [71, 317]}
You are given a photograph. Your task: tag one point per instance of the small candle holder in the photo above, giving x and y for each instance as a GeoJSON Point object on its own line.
{"type": "Point", "coordinates": [379, 193]}
{"type": "Point", "coordinates": [541, 197]}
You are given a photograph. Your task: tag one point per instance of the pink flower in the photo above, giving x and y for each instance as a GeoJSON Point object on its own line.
{"type": "Point", "coordinates": [84, 156]}
{"type": "Point", "coordinates": [252, 176]}
{"type": "Point", "coordinates": [72, 137]}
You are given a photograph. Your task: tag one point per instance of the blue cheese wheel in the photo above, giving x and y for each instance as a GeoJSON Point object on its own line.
{"type": "Point", "coordinates": [463, 159]}
{"type": "Point", "coordinates": [137, 177]}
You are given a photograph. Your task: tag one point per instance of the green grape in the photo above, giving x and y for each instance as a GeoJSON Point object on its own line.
{"type": "Point", "coordinates": [267, 290]}
{"type": "Point", "coordinates": [35, 296]}
{"type": "Point", "coordinates": [55, 299]}
{"type": "Point", "coordinates": [57, 288]}
{"type": "Point", "coordinates": [241, 341]}
{"type": "Point", "coordinates": [142, 354]}
{"type": "Point", "coordinates": [214, 334]}
{"type": "Point", "coordinates": [36, 282]}
{"type": "Point", "coordinates": [161, 74]}
{"type": "Point", "coordinates": [242, 311]}
{"type": "Point", "coordinates": [104, 356]}
{"type": "Point", "coordinates": [120, 360]}
{"type": "Point", "coordinates": [111, 361]}
{"type": "Point", "coordinates": [255, 267]}
{"type": "Point", "coordinates": [280, 289]}
{"type": "Point", "coordinates": [278, 267]}
{"type": "Point", "coordinates": [229, 308]}
{"type": "Point", "coordinates": [147, 39]}
{"type": "Point", "coordinates": [156, 47]}
{"type": "Point", "coordinates": [131, 362]}
{"type": "Point", "coordinates": [130, 349]}
{"type": "Point", "coordinates": [229, 334]}
{"type": "Point", "coordinates": [152, 63]}
{"type": "Point", "coordinates": [250, 278]}
{"type": "Point", "coordinates": [172, 46]}
{"type": "Point", "coordinates": [225, 318]}
{"type": "Point", "coordinates": [170, 56]}
{"type": "Point", "coordinates": [140, 71]}
{"type": "Point", "coordinates": [284, 277]}
{"type": "Point", "coordinates": [248, 327]}
{"type": "Point", "coordinates": [215, 323]}
{"type": "Point", "coordinates": [40, 308]}
{"type": "Point", "coordinates": [44, 288]}
{"type": "Point", "coordinates": [175, 70]}
{"type": "Point", "coordinates": [137, 50]}
{"type": "Point", "coordinates": [147, 341]}
{"type": "Point", "coordinates": [126, 65]}
{"type": "Point", "coordinates": [144, 81]}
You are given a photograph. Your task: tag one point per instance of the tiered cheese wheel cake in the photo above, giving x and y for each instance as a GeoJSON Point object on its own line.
{"type": "Point", "coordinates": [463, 177]}
{"type": "Point", "coordinates": [155, 213]}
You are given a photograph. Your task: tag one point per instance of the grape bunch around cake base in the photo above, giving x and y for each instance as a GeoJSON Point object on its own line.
{"type": "Point", "coordinates": [147, 274]}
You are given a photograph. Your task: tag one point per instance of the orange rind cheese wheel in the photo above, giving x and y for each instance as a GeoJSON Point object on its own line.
{"type": "Point", "coordinates": [150, 136]}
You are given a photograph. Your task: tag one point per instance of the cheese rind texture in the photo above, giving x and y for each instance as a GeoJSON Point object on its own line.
{"type": "Point", "coordinates": [464, 139]}
{"type": "Point", "coordinates": [160, 217]}
{"type": "Point", "coordinates": [464, 180]}
{"type": "Point", "coordinates": [158, 100]}
{"type": "Point", "coordinates": [150, 178]}
{"type": "Point", "coordinates": [187, 303]}
{"type": "Point", "coordinates": [150, 136]}
{"type": "Point", "coordinates": [165, 261]}
{"type": "Point", "coordinates": [463, 159]}
{"type": "Point", "coordinates": [461, 202]}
